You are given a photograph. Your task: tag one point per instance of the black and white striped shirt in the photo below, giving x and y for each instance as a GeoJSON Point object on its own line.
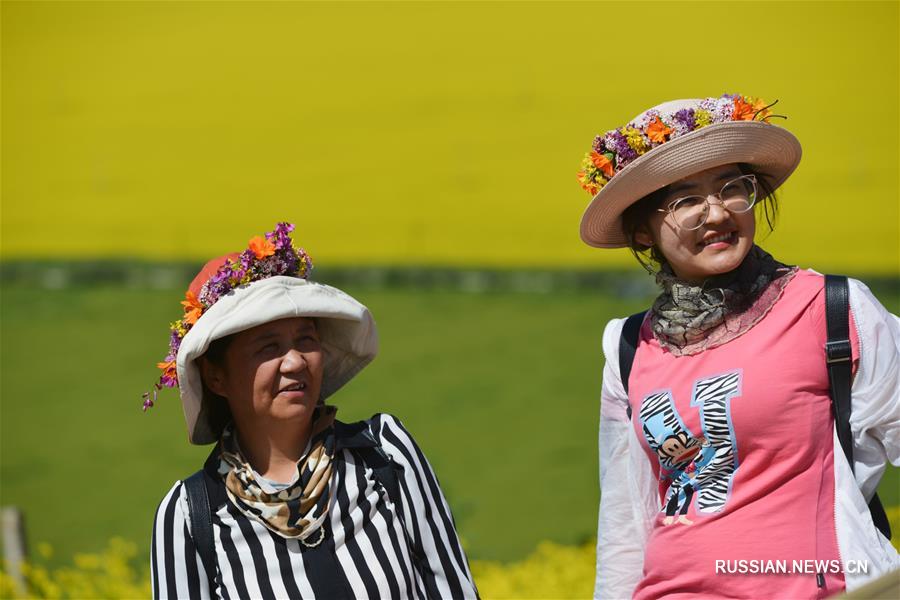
{"type": "Point", "coordinates": [372, 548]}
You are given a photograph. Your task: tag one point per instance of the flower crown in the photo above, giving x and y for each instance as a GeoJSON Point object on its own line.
{"type": "Point", "coordinates": [274, 254]}
{"type": "Point", "coordinates": [612, 151]}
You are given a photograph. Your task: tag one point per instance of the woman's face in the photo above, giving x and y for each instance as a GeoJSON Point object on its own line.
{"type": "Point", "coordinates": [698, 254]}
{"type": "Point", "coordinates": [270, 373]}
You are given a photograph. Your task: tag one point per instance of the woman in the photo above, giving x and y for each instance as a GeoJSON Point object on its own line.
{"type": "Point", "coordinates": [292, 503]}
{"type": "Point", "coordinates": [719, 447]}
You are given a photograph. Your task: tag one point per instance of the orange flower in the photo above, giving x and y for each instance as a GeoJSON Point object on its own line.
{"type": "Point", "coordinates": [192, 308]}
{"type": "Point", "coordinates": [760, 109]}
{"type": "Point", "coordinates": [168, 368]}
{"type": "Point", "coordinates": [657, 131]}
{"type": "Point", "coordinates": [743, 111]}
{"type": "Point", "coordinates": [601, 162]}
{"type": "Point", "coordinates": [262, 247]}
{"type": "Point", "coordinates": [589, 185]}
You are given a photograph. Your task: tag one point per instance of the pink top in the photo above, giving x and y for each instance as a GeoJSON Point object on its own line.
{"type": "Point", "coordinates": [740, 437]}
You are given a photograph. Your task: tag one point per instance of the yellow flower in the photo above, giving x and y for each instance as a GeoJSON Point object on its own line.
{"type": "Point", "coordinates": [702, 118]}
{"type": "Point", "coordinates": [635, 139]}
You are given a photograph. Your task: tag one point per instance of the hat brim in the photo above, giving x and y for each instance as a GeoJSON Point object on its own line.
{"type": "Point", "coordinates": [772, 151]}
{"type": "Point", "coordinates": [347, 330]}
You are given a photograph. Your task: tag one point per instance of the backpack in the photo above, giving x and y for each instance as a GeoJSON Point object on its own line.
{"type": "Point", "coordinates": [206, 494]}
{"type": "Point", "coordinates": [837, 359]}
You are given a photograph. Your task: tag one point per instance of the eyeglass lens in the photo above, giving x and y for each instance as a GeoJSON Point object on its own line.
{"type": "Point", "coordinates": [737, 196]}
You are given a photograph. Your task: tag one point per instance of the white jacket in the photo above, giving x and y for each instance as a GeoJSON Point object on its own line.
{"type": "Point", "coordinates": [629, 501]}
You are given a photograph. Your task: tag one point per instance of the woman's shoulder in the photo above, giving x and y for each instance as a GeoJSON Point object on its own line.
{"type": "Point", "coordinates": [173, 506]}
{"type": "Point", "coordinates": [394, 437]}
{"type": "Point", "coordinates": [382, 424]}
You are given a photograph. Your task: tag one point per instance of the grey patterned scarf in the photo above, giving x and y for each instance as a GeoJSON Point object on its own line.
{"type": "Point", "coordinates": [688, 318]}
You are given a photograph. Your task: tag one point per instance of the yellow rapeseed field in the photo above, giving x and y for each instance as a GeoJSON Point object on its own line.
{"type": "Point", "coordinates": [418, 133]}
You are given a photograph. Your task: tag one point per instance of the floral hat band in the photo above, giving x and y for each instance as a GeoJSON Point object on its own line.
{"type": "Point", "coordinates": [674, 140]}
{"type": "Point", "coordinates": [613, 151]}
{"type": "Point", "coordinates": [269, 256]}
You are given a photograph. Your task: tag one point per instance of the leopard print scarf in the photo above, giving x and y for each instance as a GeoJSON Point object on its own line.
{"type": "Point", "coordinates": [298, 511]}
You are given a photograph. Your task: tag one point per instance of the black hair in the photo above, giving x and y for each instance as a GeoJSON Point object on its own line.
{"type": "Point", "coordinates": [215, 406]}
{"type": "Point", "coordinates": [636, 216]}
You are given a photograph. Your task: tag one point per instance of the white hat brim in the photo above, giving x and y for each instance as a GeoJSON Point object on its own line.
{"type": "Point", "coordinates": [347, 330]}
{"type": "Point", "coordinates": [772, 151]}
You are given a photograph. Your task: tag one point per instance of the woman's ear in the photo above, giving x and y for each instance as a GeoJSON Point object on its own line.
{"type": "Point", "coordinates": [213, 376]}
{"type": "Point", "coordinates": [643, 237]}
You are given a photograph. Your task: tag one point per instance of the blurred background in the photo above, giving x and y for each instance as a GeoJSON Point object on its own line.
{"type": "Point", "coordinates": [427, 154]}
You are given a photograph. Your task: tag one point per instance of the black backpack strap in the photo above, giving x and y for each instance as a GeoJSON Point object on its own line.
{"type": "Point", "coordinates": [838, 359]}
{"type": "Point", "coordinates": [201, 520]}
{"type": "Point", "coordinates": [205, 494]}
{"type": "Point", "coordinates": [628, 343]}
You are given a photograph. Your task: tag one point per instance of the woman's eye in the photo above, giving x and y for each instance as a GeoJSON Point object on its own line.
{"type": "Point", "coordinates": [735, 190]}
{"type": "Point", "coordinates": [270, 347]}
{"type": "Point", "coordinates": [689, 202]}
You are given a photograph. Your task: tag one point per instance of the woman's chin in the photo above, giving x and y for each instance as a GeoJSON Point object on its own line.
{"type": "Point", "coordinates": [706, 265]}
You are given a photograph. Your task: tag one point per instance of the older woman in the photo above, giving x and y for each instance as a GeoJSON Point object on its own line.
{"type": "Point", "coordinates": [721, 470]}
{"type": "Point", "coordinates": [291, 502]}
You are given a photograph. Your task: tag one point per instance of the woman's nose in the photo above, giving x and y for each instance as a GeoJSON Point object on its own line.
{"type": "Point", "coordinates": [717, 211]}
{"type": "Point", "coordinates": [293, 361]}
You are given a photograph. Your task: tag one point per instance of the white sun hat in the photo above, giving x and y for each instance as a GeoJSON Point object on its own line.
{"type": "Point", "coordinates": [265, 283]}
{"type": "Point", "coordinates": [672, 141]}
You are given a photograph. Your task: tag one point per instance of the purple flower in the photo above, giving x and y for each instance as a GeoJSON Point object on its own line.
{"type": "Point", "coordinates": [684, 121]}
{"type": "Point", "coordinates": [616, 142]}
{"type": "Point", "coordinates": [174, 344]}
{"type": "Point", "coordinates": [281, 236]}
{"type": "Point", "coordinates": [247, 257]}
{"type": "Point", "coordinates": [598, 145]}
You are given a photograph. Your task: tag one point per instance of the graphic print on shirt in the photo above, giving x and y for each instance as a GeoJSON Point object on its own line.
{"type": "Point", "coordinates": [705, 464]}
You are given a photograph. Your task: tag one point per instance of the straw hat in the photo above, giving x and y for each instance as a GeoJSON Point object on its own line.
{"type": "Point", "coordinates": [264, 283]}
{"type": "Point", "coordinates": [674, 140]}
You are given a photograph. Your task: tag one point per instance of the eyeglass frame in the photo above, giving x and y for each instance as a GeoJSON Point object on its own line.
{"type": "Point", "coordinates": [749, 176]}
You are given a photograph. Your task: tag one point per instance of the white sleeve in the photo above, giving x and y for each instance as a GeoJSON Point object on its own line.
{"type": "Point", "coordinates": [627, 501]}
{"type": "Point", "coordinates": [175, 566]}
{"type": "Point", "coordinates": [875, 399]}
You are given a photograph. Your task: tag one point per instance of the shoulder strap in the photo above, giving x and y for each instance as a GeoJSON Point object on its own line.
{"type": "Point", "coordinates": [628, 343]}
{"type": "Point", "coordinates": [838, 357]}
{"type": "Point", "coordinates": [205, 495]}
{"type": "Point", "coordinates": [385, 471]}
{"type": "Point", "coordinates": [201, 521]}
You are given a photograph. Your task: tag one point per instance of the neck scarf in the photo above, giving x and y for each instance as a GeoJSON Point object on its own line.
{"type": "Point", "coordinates": [298, 511]}
{"type": "Point", "coordinates": [688, 318]}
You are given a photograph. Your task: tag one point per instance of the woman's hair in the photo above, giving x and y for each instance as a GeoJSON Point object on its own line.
{"type": "Point", "coordinates": [213, 404]}
{"type": "Point", "coordinates": [638, 214]}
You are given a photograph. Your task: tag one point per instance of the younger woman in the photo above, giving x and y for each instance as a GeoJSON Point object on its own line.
{"type": "Point", "coordinates": [718, 455]}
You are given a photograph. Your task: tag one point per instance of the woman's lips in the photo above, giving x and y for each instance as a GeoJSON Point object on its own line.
{"type": "Point", "coordinates": [296, 390]}
{"type": "Point", "coordinates": [720, 241]}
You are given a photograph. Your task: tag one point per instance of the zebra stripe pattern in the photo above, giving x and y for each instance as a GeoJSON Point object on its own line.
{"type": "Point", "coordinates": [371, 543]}
{"type": "Point", "coordinates": [713, 396]}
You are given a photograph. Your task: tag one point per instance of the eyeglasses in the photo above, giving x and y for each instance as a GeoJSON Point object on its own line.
{"type": "Point", "coordinates": [736, 196]}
